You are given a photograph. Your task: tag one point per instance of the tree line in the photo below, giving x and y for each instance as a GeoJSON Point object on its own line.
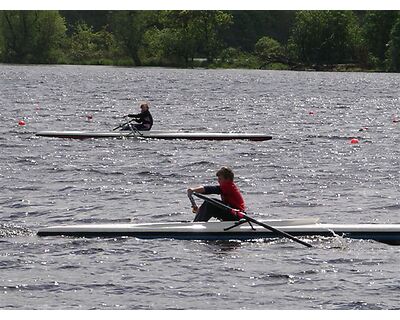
{"type": "Point", "coordinates": [319, 40]}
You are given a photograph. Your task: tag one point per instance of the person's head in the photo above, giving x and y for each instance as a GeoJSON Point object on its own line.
{"type": "Point", "coordinates": [144, 107]}
{"type": "Point", "coordinates": [225, 174]}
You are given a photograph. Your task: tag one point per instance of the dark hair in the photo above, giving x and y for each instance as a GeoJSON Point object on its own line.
{"type": "Point", "coordinates": [225, 173]}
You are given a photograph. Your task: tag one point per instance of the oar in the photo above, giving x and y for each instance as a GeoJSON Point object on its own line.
{"type": "Point", "coordinates": [245, 216]}
{"type": "Point", "coordinates": [121, 125]}
{"type": "Point", "coordinates": [134, 130]}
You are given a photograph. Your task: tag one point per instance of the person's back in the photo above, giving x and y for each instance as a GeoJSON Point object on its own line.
{"type": "Point", "coordinates": [230, 195]}
{"type": "Point", "coordinates": [144, 119]}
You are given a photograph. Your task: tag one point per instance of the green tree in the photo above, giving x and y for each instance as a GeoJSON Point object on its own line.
{"type": "Point", "coordinates": [179, 36]}
{"type": "Point", "coordinates": [210, 26]}
{"type": "Point", "coordinates": [249, 26]}
{"type": "Point", "coordinates": [324, 37]}
{"type": "Point", "coordinates": [32, 36]}
{"type": "Point", "coordinates": [268, 50]}
{"type": "Point", "coordinates": [376, 29]}
{"type": "Point", "coordinates": [97, 19]}
{"type": "Point", "coordinates": [129, 28]}
{"type": "Point", "coordinates": [183, 35]}
{"type": "Point", "coordinates": [236, 58]}
{"type": "Point", "coordinates": [1, 44]}
{"type": "Point", "coordinates": [88, 46]}
{"type": "Point", "coordinates": [393, 50]}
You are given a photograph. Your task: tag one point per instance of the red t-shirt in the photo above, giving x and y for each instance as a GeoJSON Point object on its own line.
{"type": "Point", "coordinates": [230, 195]}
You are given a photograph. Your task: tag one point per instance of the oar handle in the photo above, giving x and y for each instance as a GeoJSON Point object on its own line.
{"type": "Point", "coordinates": [245, 216]}
{"type": "Point", "coordinates": [193, 203]}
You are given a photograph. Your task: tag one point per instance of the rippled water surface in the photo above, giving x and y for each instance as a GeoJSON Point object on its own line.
{"type": "Point", "coordinates": [308, 169]}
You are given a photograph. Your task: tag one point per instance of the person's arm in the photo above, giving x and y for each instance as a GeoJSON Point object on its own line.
{"type": "Point", "coordinates": [212, 190]}
{"type": "Point", "coordinates": [197, 189]}
{"type": "Point", "coordinates": [205, 190]}
{"type": "Point", "coordinates": [190, 191]}
{"type": "Point", "coordinates": [136, 115]}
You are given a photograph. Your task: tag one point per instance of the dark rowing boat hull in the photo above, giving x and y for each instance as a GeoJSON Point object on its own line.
{"type": "Point", "coordinates": [163, 135]}
{"type": "Point", "coordinates": [388, 238]}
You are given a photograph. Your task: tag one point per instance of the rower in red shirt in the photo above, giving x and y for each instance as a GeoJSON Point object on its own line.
{"type": "Point", "coordinates": [230, 195]}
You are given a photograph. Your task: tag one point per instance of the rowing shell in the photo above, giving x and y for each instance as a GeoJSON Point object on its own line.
{"type": "Point", "coordinates": [386, 233]}
{"type": "Point", "coordinates": [164, 135]}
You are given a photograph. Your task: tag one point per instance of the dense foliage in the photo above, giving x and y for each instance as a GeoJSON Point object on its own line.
{"type": "Point", "coordinates": [327, 40]}
{"type": "Point", "coordinates": [31, 36]}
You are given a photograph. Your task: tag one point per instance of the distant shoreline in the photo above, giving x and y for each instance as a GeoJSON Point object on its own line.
{"type": "Point", "coordinates": [332, 68]}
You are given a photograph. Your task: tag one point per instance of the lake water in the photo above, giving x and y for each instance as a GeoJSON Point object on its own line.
{"type": "Point", "coordinates": [308, 169]}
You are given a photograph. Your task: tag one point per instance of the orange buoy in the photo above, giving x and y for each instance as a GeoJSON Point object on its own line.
{"type": "Point", "coordinates": [21, 123]}
{"type": "Point", "coordinates": [354, 141]}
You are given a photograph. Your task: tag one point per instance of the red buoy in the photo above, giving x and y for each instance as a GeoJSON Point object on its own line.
{"type": "Point", "coordinates": [21, 123]}
{"type": "Point", "coordinates": [354, 141]}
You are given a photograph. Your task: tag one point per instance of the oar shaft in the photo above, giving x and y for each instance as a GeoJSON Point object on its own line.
{"type": "Point", "coordinates": [283, 233]}
{"type": "Point", "coordinates": [245, 216]}
{"type": "Point", "coordinates": [121, 125]}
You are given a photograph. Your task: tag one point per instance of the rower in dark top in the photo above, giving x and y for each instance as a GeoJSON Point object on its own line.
{"type": "Point", "coordinates": [230, 195]}
{"type": "Point", "coordinates": [144, 119]}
